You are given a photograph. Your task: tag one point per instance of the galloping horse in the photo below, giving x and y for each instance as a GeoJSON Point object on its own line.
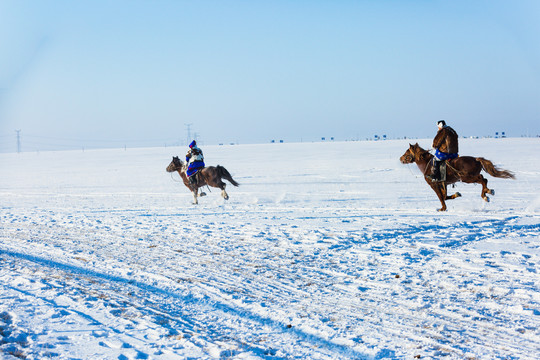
{"type": "Point", "coordinates": [464, 168]}
{"type": "Point", "coordinates": [210, 175]}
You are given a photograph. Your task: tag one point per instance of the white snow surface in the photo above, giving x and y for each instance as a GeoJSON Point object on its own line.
{"type": "Point", "coordinates": [325, 251]}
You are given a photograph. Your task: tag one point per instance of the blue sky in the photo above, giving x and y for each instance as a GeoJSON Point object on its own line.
{"type": "Point", "coordinates": [115, 73]}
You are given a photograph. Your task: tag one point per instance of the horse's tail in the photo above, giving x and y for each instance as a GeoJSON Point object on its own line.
{"type": "Point", "coordinates": [493, 170]}
{"type": "Point", "coordinates": [226, 175]}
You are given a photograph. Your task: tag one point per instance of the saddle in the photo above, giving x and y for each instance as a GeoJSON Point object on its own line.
{"type": "Point", "coordinates": [196, 176]}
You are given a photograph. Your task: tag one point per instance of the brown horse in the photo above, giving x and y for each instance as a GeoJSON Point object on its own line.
{"type": "Point", "coordinates": [464, 168]}
{"type": "Point", "coordinates": [208, 176]}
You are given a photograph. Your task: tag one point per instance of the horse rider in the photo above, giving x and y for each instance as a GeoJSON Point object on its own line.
{"type": "Point", "coordinates": [445, 144]}
{"type": "Point", "coordinates": [195, 161]}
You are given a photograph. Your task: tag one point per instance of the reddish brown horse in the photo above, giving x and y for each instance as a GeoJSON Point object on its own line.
{"type": "Point", "coordinates": [208, 176]}
{"type": "Point", "coordinates": [464, 168]}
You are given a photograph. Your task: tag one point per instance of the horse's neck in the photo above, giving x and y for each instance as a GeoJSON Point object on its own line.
{"type": "Point", "coordinates": [423, 162]}
{"type": "Point", "coordinates": [182, 172]}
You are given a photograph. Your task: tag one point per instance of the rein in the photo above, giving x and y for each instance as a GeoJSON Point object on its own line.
{"type": "Point", "coordinates": [175, 180]}
{"type": "Point", "coordinates": [412, 173]}
{"type": "Point", "coordinates": [428, 165]}
{"type": "Point", "coordinates": [176, 170]}
{"type": "Point", "coordinates": [453, 168]}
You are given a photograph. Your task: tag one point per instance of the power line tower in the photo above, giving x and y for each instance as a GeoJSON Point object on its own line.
{"type": "Point", "coordinates": [188, 139]}
{"type": "Point", "coordinates": [18, 141]}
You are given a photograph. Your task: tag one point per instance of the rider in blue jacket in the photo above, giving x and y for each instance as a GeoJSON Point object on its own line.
{"type": "Point", "coordinates": [195, 160]}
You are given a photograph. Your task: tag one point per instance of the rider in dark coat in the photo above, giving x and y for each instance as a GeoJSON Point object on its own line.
{"type": "Point", "coordinates": [446, 148]}
{"type": "Point", "coordinates": [195, 160]}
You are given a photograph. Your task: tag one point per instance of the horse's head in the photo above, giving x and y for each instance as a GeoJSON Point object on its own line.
{"type": "Point", "coordinates": [175, 165]}
{"type": "Point", "coordinates": [408, 156]}
{"type": "Point", "coordinates": [413, 154]}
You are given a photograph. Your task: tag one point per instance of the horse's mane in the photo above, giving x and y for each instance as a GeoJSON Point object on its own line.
{"type": "Point", "coordinates": [176, 160]}
{"type": "Point", "coordinates": [179, 163]}
{"type": "Point", "coordinates": [421, 153]}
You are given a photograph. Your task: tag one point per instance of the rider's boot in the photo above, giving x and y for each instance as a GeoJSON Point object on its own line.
{"type": "Point", "coordinates": [436, 176]}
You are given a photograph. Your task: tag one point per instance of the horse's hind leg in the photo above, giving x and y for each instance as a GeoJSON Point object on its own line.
{"type": "Point", "coordinates": [485, 190]}
{"type": "Point", "coordinates": [224, 194]}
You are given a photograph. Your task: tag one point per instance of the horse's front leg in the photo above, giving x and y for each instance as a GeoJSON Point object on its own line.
{"type": "Point", "coordinates": [194, 191]}
{"type": "Point", "coordinates": [440, 190]}
{"type": "Point", "coordinates": [456, 195]}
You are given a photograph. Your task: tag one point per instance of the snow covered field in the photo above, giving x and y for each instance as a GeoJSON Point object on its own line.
{"type": "Point", "coordinates": [325, 251]}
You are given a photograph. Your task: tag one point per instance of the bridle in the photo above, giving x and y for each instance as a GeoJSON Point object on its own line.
{"type": "Point", "coordinates": [178, 166]}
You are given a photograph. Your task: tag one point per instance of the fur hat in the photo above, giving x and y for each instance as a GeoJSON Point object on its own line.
{"type": "Point", "coordinates": [441, 122]}
{"type": "Point", "coordinates": [193, 143]}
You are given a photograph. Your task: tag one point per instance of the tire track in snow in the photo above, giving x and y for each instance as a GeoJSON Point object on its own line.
{"type": "Point", "coordinates": [318, 258]}
{"type": "Point", "coordinates": [439, 229]}
{"type": "Point", "coordinates": [209, 303]}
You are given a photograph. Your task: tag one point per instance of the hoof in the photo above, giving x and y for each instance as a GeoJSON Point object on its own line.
{"type": "Point", "coordinates": [202, 194]}
{"type": "Point", "coordinates": [226, 197]}
{"type": "Point", "coordinates": [486, 199]}
{"type": "Point", "coordinates": [458, 194]}
{"type": "Point", "coordinates": [441, 209]}
{"type": "Point", "coordinates": [492, 192]}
